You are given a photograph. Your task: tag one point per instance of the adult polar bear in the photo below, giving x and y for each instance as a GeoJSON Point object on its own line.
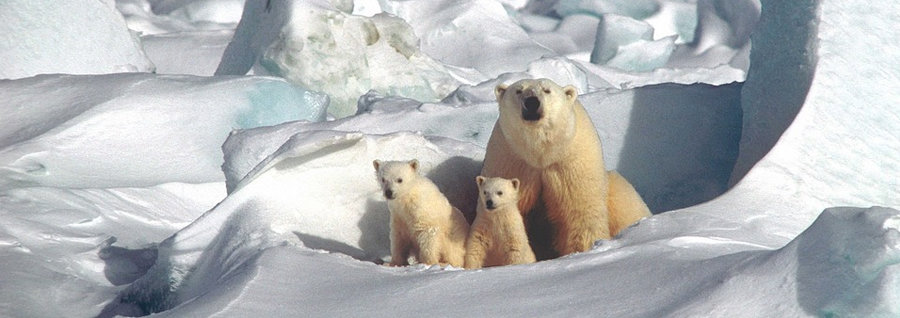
{"type": "Point", "coordinates": [545, 138]}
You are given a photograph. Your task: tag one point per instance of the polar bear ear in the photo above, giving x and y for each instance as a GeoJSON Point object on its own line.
{"type": "Point", "coordinates": [499, 90]}
{"type": "Point", "coordinates": [376, 164]}
{"type": "Point", "coordinates": [414, 164]}
{"type": "Point", "coordinates": [571, 92]}
{"type": "Point", "coordinates": [515, 183]}
{"type": "Point", "coordinates": [479, 180]}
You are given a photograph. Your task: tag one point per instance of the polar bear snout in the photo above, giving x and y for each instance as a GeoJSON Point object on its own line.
{"type": "Point", "coordinates": [389, 194]}
{"type": "Point", "coordinates": [489, 204]}
{"type": "Point", "coordinates": [531, 108]}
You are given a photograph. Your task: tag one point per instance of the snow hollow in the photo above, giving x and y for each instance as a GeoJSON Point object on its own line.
{"type": "Point", "coordinates": [195, 158]}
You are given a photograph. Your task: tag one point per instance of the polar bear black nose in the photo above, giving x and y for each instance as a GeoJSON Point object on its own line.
{"type": "Point", "coordinates": [489, 204]}
{"type": "Point", "coordinates": [531, 109]}
{"type": "Point", "coordinates": [389, 194]}
{"type": "Point", "coordinates": [532, 103]}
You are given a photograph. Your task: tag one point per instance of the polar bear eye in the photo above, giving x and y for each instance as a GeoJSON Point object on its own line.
{"type": "Point", "coordinates": [383, 180]}
{"type": "Point", "coordinates": [519, 91]}
{"type": "Point", "coordinates": [547, 91]}
{"type": "Point", "coordinates": [499, 193]}
{"type": "Point", "coordinates": [399, 180]}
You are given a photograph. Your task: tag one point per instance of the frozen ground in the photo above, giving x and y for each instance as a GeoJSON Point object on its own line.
{"type": "Point", "coordinates": [770, 160]}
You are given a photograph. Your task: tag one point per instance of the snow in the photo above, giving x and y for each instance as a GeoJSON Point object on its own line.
{"type": "Point", "coordinates": [188, 52]}
{"type": "Point", "coordinates": [443, 26]}
{"type": "Point", "coordinates": [218, 11]}
{"type": "Point", "coordinates": [46, 36]}
{"type": "Point", "coordinates": [73, 139]}
{"type": "Point", "coordinates": [769, 160]}
{"type": "Point", "coordinates": [638, 9]}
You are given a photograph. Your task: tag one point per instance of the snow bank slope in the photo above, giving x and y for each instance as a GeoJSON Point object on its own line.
{"type": "Point", "coordinates": [846, 263]}
{"type": "Point", "coordinates": [56, 244]}
{"type": "Point", "coordinates": [126, 130]}
{"type": "Point", "coordinates": [76, 37]}
{"type": "Point", "coordinates": [297, 196]}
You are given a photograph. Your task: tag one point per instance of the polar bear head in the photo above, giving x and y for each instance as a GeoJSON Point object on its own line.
{"type": "Point", "coordinates": [495, 193]}
{"type": "Point", "coordinates": [534, 100]}
{"type": "Point", "coordinates": [396, 177]}
{"type": "Point", "coordinates": [537, 118]}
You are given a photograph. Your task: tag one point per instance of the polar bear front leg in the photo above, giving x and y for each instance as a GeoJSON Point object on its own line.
{"type": "Point", "coordinates": [400, 246]}
{"type": "Point", "coordinates": [476, 248]}
{"type": "Point", "coordinates": [518, 251]}
{"type": "Point", "coordinates": [579, 236]}
{"type": "Point", "coordinates": [576, 204]}
{"type": "Point", "coordinates": [429, 246]}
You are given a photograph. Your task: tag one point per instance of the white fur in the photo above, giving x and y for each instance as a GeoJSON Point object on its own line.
{"type": "Point", "coordinates": [498, 234]}
{"type": "Point", "coordinates": [559, 162]}
{"type": "Point", "coordinates": [423, 222]}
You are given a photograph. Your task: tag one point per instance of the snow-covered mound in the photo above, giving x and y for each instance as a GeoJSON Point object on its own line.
{"type": "Point", "coordinates": [852, 253]}
{"type": "Point", "coordinates": [140, 16]}
{"type": "Point", "coordinates": [217, 11]}
{"type": "Point", "coordinates": [641, 36]}
{"type": "Point", "coordinates": [45, 36]}
{"type": "Point", "coordinates": [130, 130]}
{"type": "Point", "coordinates": [57, 243]}
{"type": "Point", "coordinates": [472, 123]}
{"type": "Point", "coordinates": [445, 27]}
{"type": "Point", "coordinates": [315, 45]}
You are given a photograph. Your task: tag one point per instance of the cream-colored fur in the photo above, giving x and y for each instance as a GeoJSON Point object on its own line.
{"type": "Point", "coordinates": [422, 220]}
{"type": "Point", "coordinates": [554, 150]}
{"type": "Point", "coordinates": [625, 204]}
{"type": "Point", "coordinates": [497, 236]}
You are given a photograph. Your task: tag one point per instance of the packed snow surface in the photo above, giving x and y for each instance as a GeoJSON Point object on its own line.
{"type": "Point", "coordinates": [76, 37]}
{"type": "Point", "coordinates": [762, 135]}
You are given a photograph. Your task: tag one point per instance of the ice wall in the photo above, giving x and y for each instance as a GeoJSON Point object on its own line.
{"type": "Point", "coordinates": [76, 37]}
{"type": "Point", "coordinates": [815, 78]}
{"type": "Point", "coordinates": [789, 72]}
{"type": "Point", "coordinates": [317, 46]}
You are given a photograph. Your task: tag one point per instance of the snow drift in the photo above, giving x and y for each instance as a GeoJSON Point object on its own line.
{"type": "Point", "coordinates": [41, 37]}
{"type": "Point", "coordinates": [131, 130]}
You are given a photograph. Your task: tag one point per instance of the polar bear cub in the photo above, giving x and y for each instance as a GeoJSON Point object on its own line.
{"type": "Point", "coordinates": [422, 220]}
{"type": "Point", "coordinates": [498, 234]}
